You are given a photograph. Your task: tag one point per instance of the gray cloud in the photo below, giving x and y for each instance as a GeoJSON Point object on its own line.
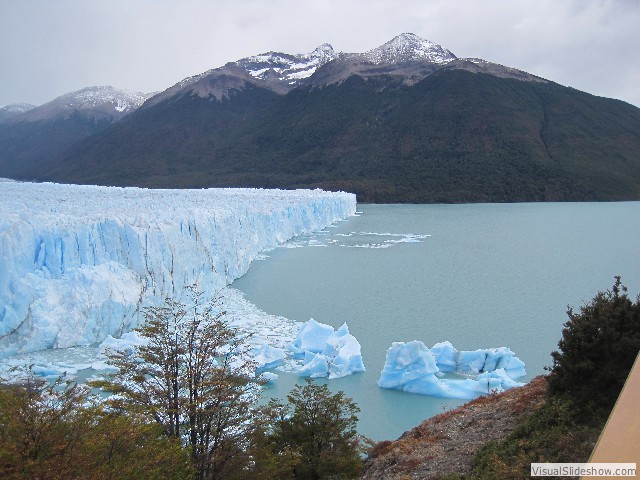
{"type": "Point", "coordinates": [51, 47]}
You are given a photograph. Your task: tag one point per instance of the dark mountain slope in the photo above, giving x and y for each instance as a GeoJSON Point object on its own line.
{"type": "Point", "coordinates": [31, 138]}
{"type": "Point", "coordinates": [26, 148]}
{"type": "Point", "coordinates": [455, 136]}
{"type": "Point", "coordinates": [174, 143]}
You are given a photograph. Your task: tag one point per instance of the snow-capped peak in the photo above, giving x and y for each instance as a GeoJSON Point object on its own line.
{"type": "Point", "coordinates": [287, 67]}
{"type": "Point", "coordinates": [407, 47]}
{"type": "Point", "coordinates": [281, 72]}
{"type": "Point", "coordinates": [122, 101]}
{"type": "Point", "coordinates": [93, 102]}
{"type": "Point", "coordinates": [17, 108]}
{"type": "Point", "coordinates": [9, 113]}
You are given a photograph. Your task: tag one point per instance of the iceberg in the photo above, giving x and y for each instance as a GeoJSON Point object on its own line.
{"type": "Point", "coordinates": [326, 352]}
{"type": "Point", "coordinates": [412, 367]}
{"type": "Point", "coordinates": [79, 263]}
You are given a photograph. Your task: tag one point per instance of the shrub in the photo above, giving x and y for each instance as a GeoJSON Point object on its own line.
{"type": "Point", "coordinates": [598, 348]}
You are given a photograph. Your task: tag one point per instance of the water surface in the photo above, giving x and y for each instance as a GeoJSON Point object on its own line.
{"type": "Point", "coordinates": [481, 275]}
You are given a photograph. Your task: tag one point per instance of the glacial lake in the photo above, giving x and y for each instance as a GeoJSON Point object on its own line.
{"type": "Point", "coordinates": [480, 275]}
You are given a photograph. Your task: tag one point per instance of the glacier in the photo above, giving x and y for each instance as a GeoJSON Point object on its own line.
{"type": "Point", "coordinates": [78, 264]}
{"type": "Point", "coordinates": [412, 367]}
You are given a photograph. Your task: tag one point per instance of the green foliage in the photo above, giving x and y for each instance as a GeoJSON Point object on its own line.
{"type": "Point", "coordinates": [57, 432]}
{"type": "Point", "coordinates": [597, 350]}
{"type": "Point", "coordinates": [191, 379]}
{"type": "Point", "coordinates": [311, 437]}
{"type": "Point", "coordinates": [598, 347]}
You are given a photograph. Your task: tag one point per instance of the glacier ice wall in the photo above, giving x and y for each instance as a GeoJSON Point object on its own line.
{"type": "Point", "coordinates": [78, 263]}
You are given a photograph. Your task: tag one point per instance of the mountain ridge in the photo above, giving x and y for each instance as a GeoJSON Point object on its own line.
{"type": "Point", "coordinates": [417, 126]}
{"type": "Point", "coordinates": [96, 102]}
{"type": "Point", "coordinates": [406, 56]}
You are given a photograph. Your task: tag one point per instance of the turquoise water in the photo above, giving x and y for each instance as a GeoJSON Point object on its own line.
{"type": "Point", "coordinates": [482, 275]}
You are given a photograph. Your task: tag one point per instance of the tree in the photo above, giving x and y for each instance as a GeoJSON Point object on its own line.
{"type": "Point", "coordinates": [40, 428]}
{"type": "Point", "coordinates": [189, 376]}
{"type": "Point", "coordinates": [598, 348]}
{"type": "Point", "coordinates": [313, 436]}
{"type": "Point", "coordinates": [58, 432]}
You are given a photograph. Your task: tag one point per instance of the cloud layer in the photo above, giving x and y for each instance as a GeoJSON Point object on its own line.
{"type": "Point", "coordinates": [51, 47]}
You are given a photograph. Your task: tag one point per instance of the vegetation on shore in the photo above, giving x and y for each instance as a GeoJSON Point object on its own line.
{"type": "Point", "coordinates": [599, 345]}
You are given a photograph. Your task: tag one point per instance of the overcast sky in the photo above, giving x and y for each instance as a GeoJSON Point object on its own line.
{"type": "Point", "coordinates": [52, 47]}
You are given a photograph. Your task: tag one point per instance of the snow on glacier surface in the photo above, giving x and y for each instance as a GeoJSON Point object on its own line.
{"type": "Point", "coordinates": [79, 263]}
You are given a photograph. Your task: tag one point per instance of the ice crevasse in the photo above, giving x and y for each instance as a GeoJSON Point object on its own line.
{"type": "Point", "coordinates": [79, 263]}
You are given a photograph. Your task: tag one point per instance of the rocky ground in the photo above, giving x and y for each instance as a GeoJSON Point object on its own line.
{"type": "Point", "coordinates": [447, 443]}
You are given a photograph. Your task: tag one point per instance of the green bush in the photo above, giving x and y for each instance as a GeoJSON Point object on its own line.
{"type": "Point", "coordinates": [312, 437]}
{"type": "Point", "coordinates": [598, 347]}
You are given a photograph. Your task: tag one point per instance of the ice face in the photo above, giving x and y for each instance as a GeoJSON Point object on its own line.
{"type": "Point", "coordinates": [326, 352]}
{"type": "Point", "coordinates": [446, 356]}
{"type": "Point", "coordinates": [405, 363]}
{"type": "Point", "coordinates": [79, 263]}
{"type": "Point", "coordinates": [412, 367]}
{"type": "Point", "coordinates": [312, 338]}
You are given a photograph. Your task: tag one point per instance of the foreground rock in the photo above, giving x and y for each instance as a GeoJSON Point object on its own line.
{"type": "Point", "coordinates": [447, 443]}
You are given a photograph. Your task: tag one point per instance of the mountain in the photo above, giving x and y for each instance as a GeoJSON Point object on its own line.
{"type": "Point", "coordinates": [96, 103]}
{"type": "Point", "coordinates": [31, 137]}
{"type": "Point", "coordinates": [405, 122]}
{"type": "Point", "coordinates": [9, 112]}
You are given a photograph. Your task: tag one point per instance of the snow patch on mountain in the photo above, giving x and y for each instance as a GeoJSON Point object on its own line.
{"type": "Point", "coordinates": [101, 102]}
{"type": "Point", "coordinates": [408, 47]}
{"type": "Point", "coordinates": [95, 97]}
{"type": "Point", "coordinates": [9, 113]}
{"type": "Point", "coordinates": [286, 67]}
{"type": "Point", "coordinates": [17, 108]}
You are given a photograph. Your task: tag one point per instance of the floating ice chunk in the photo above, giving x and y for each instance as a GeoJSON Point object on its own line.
{"type": "Point", "coordinates": [471, 362]}
{"type": "Point", "coordinates": [513, 367]}
{"type": "Point", "coordinates": [344, 352]}
{"type": "Point", "coordinates": [497, 381]}
{"type": "Point", "coordinates": [337, 352]}
{"type": "Point", "coordinates": [127, 342]}
{"type": "Point", "coordinates": [49, 370]}
{"type": "Point", "coordinates": [412, 367]}
{"type": "Point", "coordinates": [268, 377]}
{"type": "Point", "coordinates": [267, 357]}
